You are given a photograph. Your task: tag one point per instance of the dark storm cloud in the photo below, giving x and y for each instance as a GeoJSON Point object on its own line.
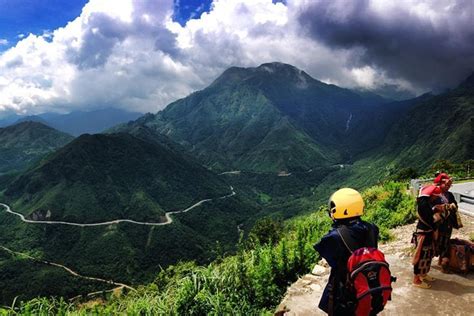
{"type": "Point", "coordinates": [430, 44]}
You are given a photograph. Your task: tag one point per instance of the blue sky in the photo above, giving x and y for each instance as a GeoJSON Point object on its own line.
{"type": "Point", "coordinates": [18, 18]}
{"type": "Point", "coordinates": [189, 9]}
{"type": "Point", "coordinates": [132, 54]}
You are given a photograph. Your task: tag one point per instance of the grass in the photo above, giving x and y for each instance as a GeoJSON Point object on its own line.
{"type": "Point", "coordinates": [250, 282]}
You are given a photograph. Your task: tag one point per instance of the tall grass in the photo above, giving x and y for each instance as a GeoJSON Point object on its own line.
{"type": "Point", "coordinates": [251, 282]}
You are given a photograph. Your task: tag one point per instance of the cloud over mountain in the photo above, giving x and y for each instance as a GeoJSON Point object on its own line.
{"type": "Point", "coordinates": [131, 54]}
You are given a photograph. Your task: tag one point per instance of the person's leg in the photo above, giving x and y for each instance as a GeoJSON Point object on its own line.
{"type": "Point", "coordinates": [444, 251]}
{"type": "Point", "coordinates": [419, 282]}
{"type": "Point", "coordinates": [422, 267]}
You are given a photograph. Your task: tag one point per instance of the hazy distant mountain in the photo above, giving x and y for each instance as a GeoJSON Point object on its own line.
{"type": "Point", "coordinates": [9, 119]}
{"type": "Point", "coordinates": [78, 122]}
{"type": "Point", "coordinates": [24, 143]}
{"type": "Point", "coordinates": [271, 118]}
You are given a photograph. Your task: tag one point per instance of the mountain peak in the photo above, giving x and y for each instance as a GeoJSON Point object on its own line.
{"type": "Point", "coordinates": [275, 70]}
{"type": "Point", "coordinates": [277, 66]}
{"type": "Point", "coordinates": [28, 124]}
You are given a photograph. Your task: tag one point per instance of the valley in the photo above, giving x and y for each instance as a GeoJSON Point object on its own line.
{"type": "Point", "coordinates": [68, 270]}
{"type": "Point", "coordinates": [168, 219]}
{"type": "Point", "coordinates": [190, 182]}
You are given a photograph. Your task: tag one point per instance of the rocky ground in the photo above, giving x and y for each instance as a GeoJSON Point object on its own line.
{"type": "Point", "coordinates": [451, 294]}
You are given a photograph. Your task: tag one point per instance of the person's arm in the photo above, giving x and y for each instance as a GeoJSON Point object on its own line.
{"type": "Point", "coordinates": [376, 234]}
{"type": "Point", "coordinates": [452, 200]}
{"type": "Point", "coordinates": [327, 248]}
{"type": "Point", "coordinates": [453, 217]}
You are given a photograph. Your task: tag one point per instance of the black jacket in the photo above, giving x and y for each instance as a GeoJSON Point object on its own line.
{"type": "Point", "coordinates": [425, 213]}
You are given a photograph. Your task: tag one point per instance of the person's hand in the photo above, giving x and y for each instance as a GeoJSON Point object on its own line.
{"type": "Point", "coordinates": [439, 208]}
{"type": "Point", "coordinates": [453, 207]}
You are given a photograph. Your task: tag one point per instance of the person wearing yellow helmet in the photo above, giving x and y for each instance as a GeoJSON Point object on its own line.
{"type": "Point", "coordinates": [346, 203]}
{"type": "Point", "coordinates": [346, 207]}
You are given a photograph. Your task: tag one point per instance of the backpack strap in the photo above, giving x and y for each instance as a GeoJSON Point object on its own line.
{"type": "Point", "coordinates": [346, 238]}
{"type": "Point", "coordinates": [350, 243]}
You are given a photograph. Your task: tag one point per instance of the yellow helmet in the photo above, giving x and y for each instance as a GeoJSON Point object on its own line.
{"type": "Point", "coordinates": [346, 203]}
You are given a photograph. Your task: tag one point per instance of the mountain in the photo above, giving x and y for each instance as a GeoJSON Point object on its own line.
{"type": "Point", "coordinates": [77, 122]}
{"type": "Point", "coordinates": [24, 143]}
{"type": "Point", "coordinates": [274, 117]}
{"type": "Point", "coordinates": [9, 119]}
{"type": "Point", "coordinates": [429, 128]}
{"type": "Point", "coordinates": [32, 118]}
{"type": "Point", "coordinates": [80, 122]}
{"type": "Point", "coordinates": [96, 178]}
{"type": "Point", "coordinates": [436, 127]}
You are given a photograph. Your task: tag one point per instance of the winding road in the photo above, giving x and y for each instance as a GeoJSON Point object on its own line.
{"type": "Point", "coordinates": [21, 254]}
{"type": "Point", "coordinates": [168, 221]}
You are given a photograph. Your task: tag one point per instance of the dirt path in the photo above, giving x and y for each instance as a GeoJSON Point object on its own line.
{"type": "Point", "coordinates": [68, 270]}
{"type": "Point", "coordinates": [451, 294]}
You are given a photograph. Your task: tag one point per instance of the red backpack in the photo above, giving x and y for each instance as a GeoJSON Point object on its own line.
{"type": "Point", "coordinates": [368, 278]}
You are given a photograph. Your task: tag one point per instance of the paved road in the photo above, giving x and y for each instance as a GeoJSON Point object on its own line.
{"type": "Point", "coordinates": [466, 188]}
{"type": "Point", "coordinates": [168, 221]}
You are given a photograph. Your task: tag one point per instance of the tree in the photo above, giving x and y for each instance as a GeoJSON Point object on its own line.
{"type": "Point", "coordinates": [442, 165]}
{"type": "Point", "coordinates": [266, 231]}
{"type": "Point", "coordinates": [406, 174]}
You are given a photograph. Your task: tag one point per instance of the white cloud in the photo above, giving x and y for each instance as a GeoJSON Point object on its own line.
{"type": "Point", "coordinates": [3, 41]}
{"type": "Point", "coordinates": [131, 54]}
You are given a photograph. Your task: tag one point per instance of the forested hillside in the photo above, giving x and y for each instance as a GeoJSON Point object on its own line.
{"type": "Point", "coordinates": [25, 143]}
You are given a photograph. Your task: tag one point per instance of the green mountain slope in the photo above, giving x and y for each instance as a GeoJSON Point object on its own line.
{"type": "Point", "coordinates": [334, 117]}
{"type": "Point", "coordinates": [438, 127]}
{"type": "Point", "coordinates": [432, 127]}
{"type": "Point", "coordinates": [238, 127]}
{"type": "Point", "coordinates": [272, 118]}
{"type": "Point", "coordinates": [103, 177]}
{"type": "Point", "coordinates": [97, 178]}
{"type": "Point", "coordinates": [24, 143]}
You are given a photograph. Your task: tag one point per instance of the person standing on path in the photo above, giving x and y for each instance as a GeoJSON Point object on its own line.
{"type": "Point", "coordinates": [346, 206]}
{"type": "Point", "coordinates": [447, 221]}
{"type": "Point", "coordinates": [428, 211]}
